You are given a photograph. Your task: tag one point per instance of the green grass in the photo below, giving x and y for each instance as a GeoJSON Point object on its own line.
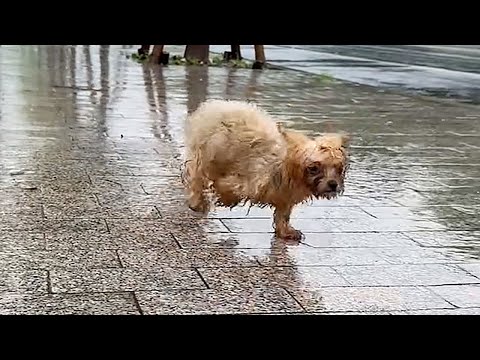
{"type": "Point", "coordinates": [323, 79]}
{"type": "Point", "coordinates": [138, 58]}
{"type": "Point", "coordinates": [216, 61]}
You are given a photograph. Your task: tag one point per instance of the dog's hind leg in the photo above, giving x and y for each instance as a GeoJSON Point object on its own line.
{"type": "Point", "coordinates": [283, 229]}
{"type": "Point", "coordinates": [197, 201]}
{"type": "Point", "coordinates": [196, 187]}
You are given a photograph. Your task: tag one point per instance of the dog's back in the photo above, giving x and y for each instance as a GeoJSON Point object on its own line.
{"type": "Point", "coordinates": [217, 116]}
{"type": "Point", "coordinates": [234, 140]}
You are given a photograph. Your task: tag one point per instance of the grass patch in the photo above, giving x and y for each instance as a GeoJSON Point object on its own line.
{"type": "Point", "coordinates": [323, 79]}
{"type": "Point", "coordinates": [215, 61]}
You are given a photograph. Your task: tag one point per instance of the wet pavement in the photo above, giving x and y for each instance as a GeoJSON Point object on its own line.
{"type": "Point", "coordinates": [451, 71]}
{"type": "Point", "coordinates": [93, 219]}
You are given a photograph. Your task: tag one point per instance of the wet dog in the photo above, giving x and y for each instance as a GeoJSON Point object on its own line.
{"type": "Point", "coordinates": [237, 153]}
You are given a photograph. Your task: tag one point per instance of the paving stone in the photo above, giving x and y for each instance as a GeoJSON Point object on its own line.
{"type": "Point", "coordinates": [405, 275]}
{"type": "Point", "coordinates": [473, 269]}
{"type": "Point", "coordinates": [68, 304]}
{"type": "Point", "coordinates": [459, 295]}
{"type": "Point", "coordinates": [28, 281]}
{"type": "Point", "coordinates": [268, 277]}
{"type": "Point", "coordinates": [21, 240]}
{"type": "Point", "coordinates": [97, 211]}
{"type": "Point", "coordinates": [460, 311]}
{"type": "Point", "coordinates": [394, 212]}
{"type": "Point", "coordinates": [30, 259]}
{"type": "Point", "coordinates": [304, 256]}
{"type": "Point", "coordinates": [34, 211]}
{"type": "Point", "coordinates": [94, 240]}
{"type": "Point", "coordinates": [123, 280]}
{"type": "Point", "coordinates": [412, 255]}
{"type": "Point", "coordinates": [360, 240]}
{"type": "Point", "coordinates": [334, 225]}
{"type": "Point", "coordinates": [160, 227]}
{"type": "Point", "coordinates": [368, 299]}
{"type": "Point", "coordinates": [191, 239]}
{"type": "Point", "coordinates": [214, 301]}
{"type": "Point", "coordinates": [300, 212]}
{"type": "Point", "coordinates": [185, 258]}
{"type": "Point", "coordinates": [446, 238]}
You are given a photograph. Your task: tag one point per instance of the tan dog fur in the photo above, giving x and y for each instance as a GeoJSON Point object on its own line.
{"type": "Point", "coordinates": [235, 152]}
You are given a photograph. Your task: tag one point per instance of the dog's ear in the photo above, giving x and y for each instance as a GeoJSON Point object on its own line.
{"type": "Point", "coordinates": [333, 140]}
{"type": "Point", "coordinates": [345, 138]}
{"type": "Point", "coordinates": [280, 128]}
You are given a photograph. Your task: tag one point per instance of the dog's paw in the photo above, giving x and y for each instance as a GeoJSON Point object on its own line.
{"type": "Point", "coordinates": [199, 207]}
{"type": "Point", "coordinates": [291, 235]}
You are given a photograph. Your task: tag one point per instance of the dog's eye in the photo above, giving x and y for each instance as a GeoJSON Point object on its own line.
{"type": "Point", "coordinates": [314, 169]}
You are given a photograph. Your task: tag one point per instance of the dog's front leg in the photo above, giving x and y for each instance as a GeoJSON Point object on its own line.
{"type": "Point", "coordinates": [283, 229]}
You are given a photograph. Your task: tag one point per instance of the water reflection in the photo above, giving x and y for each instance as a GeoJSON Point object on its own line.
{"type": "Point", "coordinates": [196, 79]}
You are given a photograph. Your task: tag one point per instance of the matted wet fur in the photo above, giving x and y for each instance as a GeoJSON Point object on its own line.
{"type": "Point", "coordinates": [236, 153]}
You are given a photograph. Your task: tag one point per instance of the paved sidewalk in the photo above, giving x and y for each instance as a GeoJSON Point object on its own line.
{"type": "Point", "coordinates": [93, 219]}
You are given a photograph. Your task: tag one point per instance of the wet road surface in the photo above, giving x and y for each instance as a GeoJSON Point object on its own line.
{"type": "Point", "coordinates": [93, 219]}
{"type": "Point", "coordinates": [451, 71]}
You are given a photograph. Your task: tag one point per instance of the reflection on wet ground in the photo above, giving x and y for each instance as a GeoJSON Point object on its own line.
{"type": "Point", "coordinates": [94, 221]}
{"type": "Point", "coordinates": [449, 71]}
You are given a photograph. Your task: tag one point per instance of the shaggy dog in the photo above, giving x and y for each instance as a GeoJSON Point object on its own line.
{"type": "Point", "coordinates": [235, 152]}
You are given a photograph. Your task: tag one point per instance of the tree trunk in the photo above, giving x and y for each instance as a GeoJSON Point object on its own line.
{"type": "Point", "coordinates": [197, 53]}
{"type": "Point", "coordinates": [236, 54]}
{"type": "Point", "coordinates": [157, 53]}
{"type": "Point", "coordinates": [259, 57]}
{"type": "Point", "coordinates": [144, 50]}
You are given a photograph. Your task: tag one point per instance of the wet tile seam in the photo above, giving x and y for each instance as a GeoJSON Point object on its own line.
{"type": "Point", "coordinates": [201, 277]}
{"type": "Point", "coordinates": [130, 290]}
{"type": "Point", "coordinates": [357, 232]}
{"type": "Point", "coordinates": [253, 264]}
{"type": "Point", "coordinates": [44, 242]}
{"type": "Point", "coordinates": [406, 233]}
{"type": "Point", "coordinates": [320, 248]}
{"type": "Point", "coordinates": [431, 291]}
{"type": "Point", "coordinates": [288, 289]}
{"type": "Point", "coordinates": [336, 271]}
{"type": "Point", "coordinates": [381, 312]}
{"type": "Point", "coordinates": [97, 200]}
{"type": "Point", "coordinates": [119, 259]}
{"type": "Point", "coordinates": [95, 216]}
{"type": "Point", "coordinates": [106, 225]}
{"type": "Point", "coordinates": [49, 283]}
{"type": "Point", "coordinates": [268, 217]}
{"type": "Point", "coordinates": [89, 178]}
{"type": "Point", "coordinates": [365, 211]}
{"type": "Point", "coordinates": [158, 211]}
{"type": "Point", "coordinates": [295, 299]}
{"type": "Point", "coordinates": [225, 226]}
{"type": "Point", "coordinates": [135, 301]}
{"type": "Point", "coordinates": [465, 270]}
{"type": "Point", "coordinates": [442, 264]}
{"type": "Point", "coordinates": [42, 211]}
{"type": "Point", "coordinates": [176, 241]}
{"type": "Point", "coordinates": [143, 189]}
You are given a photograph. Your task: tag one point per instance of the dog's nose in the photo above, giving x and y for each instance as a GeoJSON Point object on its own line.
{"type": "Point", "coordinates": [332, 184]}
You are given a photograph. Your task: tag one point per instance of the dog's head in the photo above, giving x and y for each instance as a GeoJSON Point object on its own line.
{"type": "Point", "coordinates": [325, 165]}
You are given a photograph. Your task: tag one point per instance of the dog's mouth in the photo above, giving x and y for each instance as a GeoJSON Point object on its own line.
{"type": "Point", "coordinates": [327, 194]}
